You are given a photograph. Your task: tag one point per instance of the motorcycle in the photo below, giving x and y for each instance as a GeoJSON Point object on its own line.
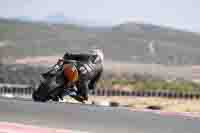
{"type": "Point", "coordinates": [59, 80]}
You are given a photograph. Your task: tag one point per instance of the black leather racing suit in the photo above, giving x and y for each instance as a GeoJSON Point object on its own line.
{"type": "Point", "coordinates": [90, 71]}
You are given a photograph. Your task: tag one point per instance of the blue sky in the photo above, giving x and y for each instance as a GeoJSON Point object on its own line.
{"type": "Point", "coordinates": [182, 14]}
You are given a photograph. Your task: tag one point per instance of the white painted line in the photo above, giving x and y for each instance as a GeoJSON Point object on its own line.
{"type": "Point", "coordinates": [8, 95]}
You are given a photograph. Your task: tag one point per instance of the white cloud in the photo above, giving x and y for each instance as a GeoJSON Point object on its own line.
{"type": "Point", "coordinates": [176, 13]}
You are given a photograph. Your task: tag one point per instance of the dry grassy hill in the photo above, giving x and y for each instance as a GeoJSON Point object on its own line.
{"type": "Point", "coordinates": [132, 42]}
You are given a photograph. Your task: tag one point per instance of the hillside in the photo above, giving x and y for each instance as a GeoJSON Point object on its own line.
{"type": "Point", "coordinates": [133, 42]}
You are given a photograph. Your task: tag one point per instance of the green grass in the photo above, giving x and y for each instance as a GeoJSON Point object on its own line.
{"type": "Point", "coordinates": [7, 27]}
{"type": "Point", "coordinates": [25, 37]}
{"type": "Point", "coordinates": [151, 85]}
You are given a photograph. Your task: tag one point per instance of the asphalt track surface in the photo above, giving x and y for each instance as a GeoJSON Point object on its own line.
{"type": "Point", "coordinates": [93, 119]}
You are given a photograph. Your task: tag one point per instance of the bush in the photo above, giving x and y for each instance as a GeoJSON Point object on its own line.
{"type": "Point", "coordinates": [161, 85]}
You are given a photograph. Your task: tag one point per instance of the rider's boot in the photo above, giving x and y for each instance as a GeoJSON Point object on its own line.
{"type": "Point", "coordinates": [81, 97]}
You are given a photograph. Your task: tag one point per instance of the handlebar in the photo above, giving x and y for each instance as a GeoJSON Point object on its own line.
{"type": "Point", "coordinates": [62, 61]}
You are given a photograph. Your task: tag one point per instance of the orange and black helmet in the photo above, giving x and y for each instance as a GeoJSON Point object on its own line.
{"type": "Point", "coordinates": [70, 72]}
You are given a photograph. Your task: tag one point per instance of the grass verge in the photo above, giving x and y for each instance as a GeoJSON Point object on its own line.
{"type": "Point", "coordinates": [152, 85]}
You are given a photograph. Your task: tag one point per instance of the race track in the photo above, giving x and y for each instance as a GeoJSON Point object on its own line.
{"type": "Point", "coordinates": [93, 119]}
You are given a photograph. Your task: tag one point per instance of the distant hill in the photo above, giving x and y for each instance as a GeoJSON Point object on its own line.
{"type": "Point", "coordinates": [57, 18]}
{"type": "Point", "coordinates": [133, 42]}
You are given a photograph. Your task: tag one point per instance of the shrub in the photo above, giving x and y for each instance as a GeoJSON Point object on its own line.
{"type": "Point", "coordinates": [161, 85]}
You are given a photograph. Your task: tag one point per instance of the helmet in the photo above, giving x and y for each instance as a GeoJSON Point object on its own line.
{"type": "Point", "coordinates": [98, 53]}
{"type": "Point", "coordinates": [70, 72]}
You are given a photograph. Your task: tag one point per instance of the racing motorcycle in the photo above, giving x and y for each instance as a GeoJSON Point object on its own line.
{"type": "Point", "coordinates": [60, 79]}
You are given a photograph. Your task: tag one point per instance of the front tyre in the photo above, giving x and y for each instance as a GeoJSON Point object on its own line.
{"type": "Point", "coordinates": [36, 97]}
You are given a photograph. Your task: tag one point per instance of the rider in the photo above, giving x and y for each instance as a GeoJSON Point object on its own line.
{"type": "Point", "coordinates": [90, 68]}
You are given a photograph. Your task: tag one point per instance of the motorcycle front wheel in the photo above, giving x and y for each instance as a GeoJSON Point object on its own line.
{"type": "Point", "coordinates": [36, 96]}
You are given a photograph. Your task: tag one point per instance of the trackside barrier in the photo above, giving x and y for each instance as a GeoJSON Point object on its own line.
{"type": "Point", "coordinates": [26, 90]}
{"type": "Point", "coordinates": [16, 89]}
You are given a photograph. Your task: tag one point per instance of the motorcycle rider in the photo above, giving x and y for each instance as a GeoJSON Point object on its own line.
{"type": "Point", "coordinates": [90, 71]}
